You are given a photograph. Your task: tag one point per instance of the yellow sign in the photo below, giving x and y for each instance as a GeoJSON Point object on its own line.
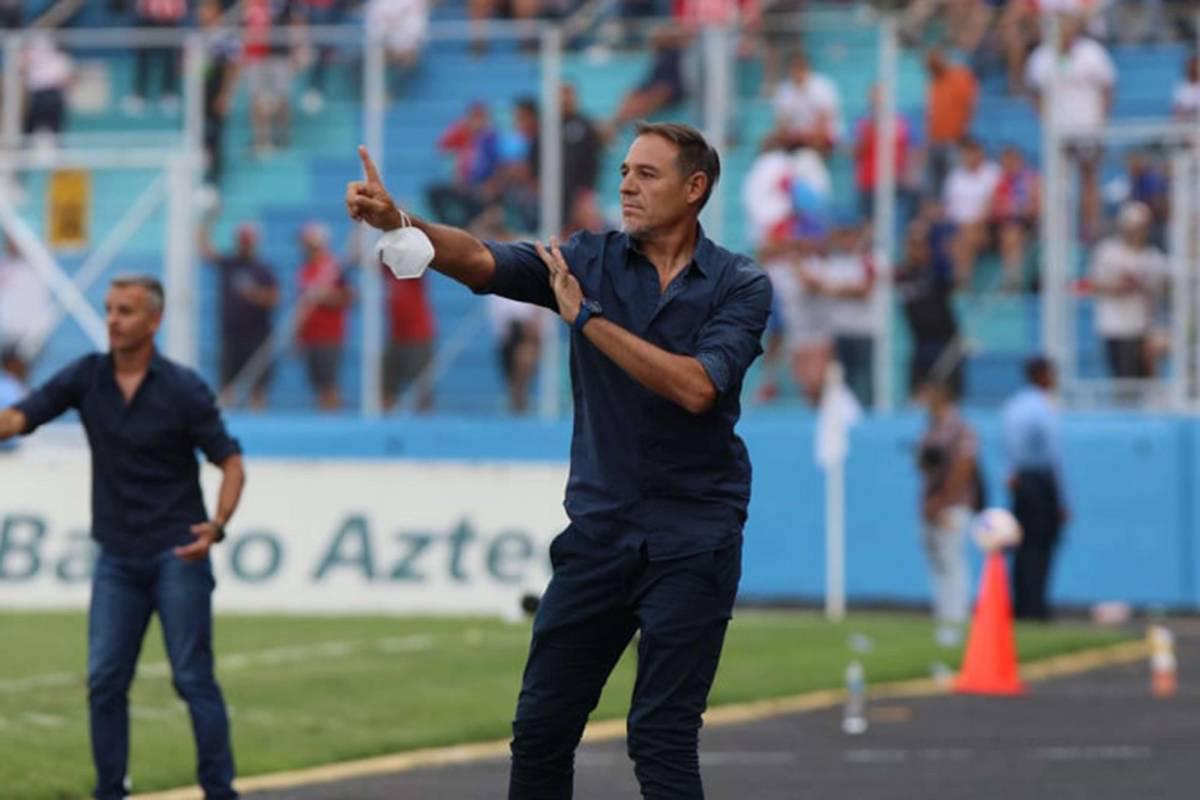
{"type": "Point", "coordinates": [69, 209]}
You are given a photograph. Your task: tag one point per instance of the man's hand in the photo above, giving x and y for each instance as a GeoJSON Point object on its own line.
{"type": "Point", "coordinates": [207, 534]}
{"type": "Point", "coordinates": [368, 200]}
{"type": "Point", "coordinates": [566, 288]}
{"type": "Point", "coordinates": [12, 423]}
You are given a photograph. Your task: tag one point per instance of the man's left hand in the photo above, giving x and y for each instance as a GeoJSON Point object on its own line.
{"type": "Point", "coordinates": [567, 290]}
{"type": "Point", "coordinates": [207, 534]}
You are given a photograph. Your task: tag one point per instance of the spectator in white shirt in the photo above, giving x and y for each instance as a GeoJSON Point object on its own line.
{"type": "Point", "coordinates": [516, 330]}
{"type": "Point", "coordinates": [404, 26]}
{"type": "Point", "coordinates": [968, 201]}
{"type": "Point", "coordinates": [1021, 27]}
{"type": "Point", "coordinates": [807, 110]}
{"type": "Point", "coordinates": [1127, 275]}
{"type": "Point", "coordinates": [846, 277]}
{"type": "Point", "coordinates": [47, 71]}
{"type": "Point", "coordinates": [785, 239]}
{"type": "Point", "coordinates": [26, 308]}
{"type": "Point", "coordinates": [1081, 76]}
{"type": "Point", "coordinates": [1186, 100]}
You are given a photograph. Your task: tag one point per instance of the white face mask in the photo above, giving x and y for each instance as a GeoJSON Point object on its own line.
{"type": "Point", "coordinates": [406, 251]}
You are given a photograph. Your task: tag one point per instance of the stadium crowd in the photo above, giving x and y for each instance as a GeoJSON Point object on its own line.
{"type": "Point", "coordinates": [960, 204]}
{"type": "Point", "coordinates": [967, 214]}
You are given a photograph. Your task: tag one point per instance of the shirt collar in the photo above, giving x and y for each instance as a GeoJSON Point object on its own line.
{"type": "Point", "coordinates": [701, 258]}
{"type": "Point", "coordinates": [157, 362]}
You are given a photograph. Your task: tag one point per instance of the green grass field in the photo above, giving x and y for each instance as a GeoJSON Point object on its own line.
{"type": "Point", "coordinates": [310, 690]}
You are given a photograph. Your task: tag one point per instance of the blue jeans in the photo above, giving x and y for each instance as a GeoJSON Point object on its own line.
{"type": "Point", "coordinates": [125, 592]}
{"type": "Point", "coordinates": [598, 598]}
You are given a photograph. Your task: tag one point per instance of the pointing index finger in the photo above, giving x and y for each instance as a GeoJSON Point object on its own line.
{"type": "Point", "coordinates": [369, 170]}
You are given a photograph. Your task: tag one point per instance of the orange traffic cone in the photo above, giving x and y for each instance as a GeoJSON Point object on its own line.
{"type": "Point", "coordinates": [990, 665]}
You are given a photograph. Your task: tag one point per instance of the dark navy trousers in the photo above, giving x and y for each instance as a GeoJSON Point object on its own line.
{"type": "Point", "coordinates": [598, 597]}
{"type": "Point", "coordinates": [1037, 507]}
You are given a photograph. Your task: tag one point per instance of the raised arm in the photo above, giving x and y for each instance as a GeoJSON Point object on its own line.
{"type": "Point", "coordinates": [456, 253]}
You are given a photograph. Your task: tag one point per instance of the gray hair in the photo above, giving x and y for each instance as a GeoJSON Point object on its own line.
{"type": "Point", "coordinates": [152, 285]}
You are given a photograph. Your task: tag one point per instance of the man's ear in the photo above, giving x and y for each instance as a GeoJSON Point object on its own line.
{"type": "Point", "coordinates": [697, 185]}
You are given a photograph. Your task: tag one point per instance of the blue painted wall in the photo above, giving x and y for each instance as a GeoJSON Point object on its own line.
{"type": "Point", "coordinates": [1132, 480]}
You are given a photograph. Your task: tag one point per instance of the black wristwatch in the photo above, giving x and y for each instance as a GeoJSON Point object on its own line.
{"type": "Point", "coordinates": [587, 310]}
{"type": "Point", "coordinates": [220, 531]}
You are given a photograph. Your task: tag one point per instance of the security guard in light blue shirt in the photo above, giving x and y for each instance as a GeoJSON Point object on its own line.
{"type": "Point", "coordinates": [1033, 448]}
{"type": "Point", "coordinates": [664, 324]}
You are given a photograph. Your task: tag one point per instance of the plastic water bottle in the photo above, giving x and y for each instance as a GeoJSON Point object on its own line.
{"type": "Point", "coordinates": [1163, 680]}
{"type": "Point", "coordinates": [854, 720]}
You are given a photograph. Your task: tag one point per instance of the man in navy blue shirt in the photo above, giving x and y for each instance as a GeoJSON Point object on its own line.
{"type": "Point", "coordinates": [145, 418]}
{"type": "Point", "coordinates": [664, 324]}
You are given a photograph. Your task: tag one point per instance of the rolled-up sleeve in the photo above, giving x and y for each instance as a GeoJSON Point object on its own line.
{"type": "Point", "coordinates": [56, 396]}
{"type": "Point", "coordinates": [520, 274]}
{"type": "Point", "coordinates": [732, 338]}
{"type": "Point", "coordinates": [205, 426]}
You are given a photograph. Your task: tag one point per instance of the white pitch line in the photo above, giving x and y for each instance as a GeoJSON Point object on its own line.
{"type": "Point", "coordinates": [735, 758]}
{"type": "Point", "coordinates": [44, 720]}
{"type": "Point", "coordinates": [157, 713]}
{"type": "Point", "coordinates": [869, 756]}
{"type": "Point", "coordinates": [945, 754]}
{"type": "Point", "coordinates": [716, 758]}
{"type": "Point", "coordinates": [405, 644]}
{"type": "Point", "coordinates": [49, 680]}
{"type": "Point", "coordinates": [232, 662]}
{"type": "Point", "coordinates": [1116, 752]}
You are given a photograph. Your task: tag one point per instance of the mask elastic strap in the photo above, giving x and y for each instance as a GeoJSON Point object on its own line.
{"type": "Point", "coordinates": [405, 220]}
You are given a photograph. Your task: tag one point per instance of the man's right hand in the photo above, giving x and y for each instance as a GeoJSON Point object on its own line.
{"type": "Point", "coordinates": [12, 423]}
{"type": "Point", "coordinates": [368, 200]}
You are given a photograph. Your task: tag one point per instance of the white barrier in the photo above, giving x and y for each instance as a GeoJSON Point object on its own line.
{"type": "Point", "coordinates": [312, 536]}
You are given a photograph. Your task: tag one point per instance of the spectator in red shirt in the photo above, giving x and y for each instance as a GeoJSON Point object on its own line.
{"type": "Point", "coordinates": [324, 297]}
{"type": "Point", "coordinates": [1015, 209]}
{"type": "Point", "coordinates": [864, 161]}
{"type": "Point", "coordinates": [268, 66]}
{"type": "Point", "coordinates": [410, 347]}
{"type": "Point", "coordinates": [475, 146]}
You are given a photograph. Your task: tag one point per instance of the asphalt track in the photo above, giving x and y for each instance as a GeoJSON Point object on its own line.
{"type": "Point", "coordinates": [1099, 735]}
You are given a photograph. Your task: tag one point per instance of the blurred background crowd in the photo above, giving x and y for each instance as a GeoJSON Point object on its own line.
{"type": "Point", "coordinates": [281, 106]}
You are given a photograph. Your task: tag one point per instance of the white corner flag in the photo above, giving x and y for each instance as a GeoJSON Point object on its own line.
{"type": "Point", "coordinates": [839, 411]}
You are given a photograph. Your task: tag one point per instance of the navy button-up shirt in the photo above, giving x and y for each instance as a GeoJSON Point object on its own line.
{"type": "Point", "coordinates": [145, 476]}
{"type": "Point", "coordinates": [643, 470]}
